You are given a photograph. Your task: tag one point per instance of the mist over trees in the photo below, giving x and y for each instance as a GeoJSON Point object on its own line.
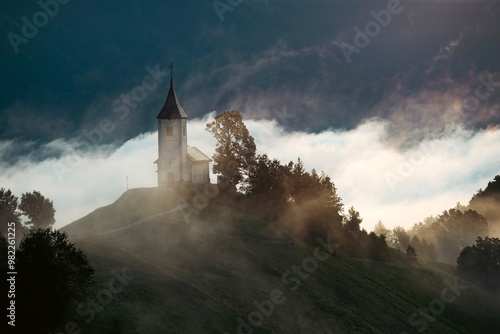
{"type": "Point", "coordinates": [267, 179]}
{"type": "Point", "coordinates": [304, 203]}
{"type": "Point", "coordinates": [480, 263]}
{"type": "Point", "coordinates": [8, 210]}
{"type": "Point", "coordinates": [380, 229]}
{"type": "Point", "coordinates": [444, 236]}
{"type": "Point", "coordinates": [34, 206]}
{"type": "Point", "coordinates": [492, 189]}
{"type": "Point", "coordinates": [37, 210]}
{"type": "Point", "coordinates": [450, 232]}
{"type": "Point", "coordinates": [401, 239]}
{"type": "Point", "coordinates": [352, 220]}
{"type": "Point", "coordinates": [440, 238]}
{"type": "Point", "coordinates": [423, 248]}
{"type": "Point", "coordinates": [411, 253]}
{"type": "Point", "coordinates": [449, 237]}
{"type": "Point", "coordinates": [463, 235]}
{"type": "Point", "coordinates": [487, 203]}
{"type": "Point", "coordinates": [307, 203]}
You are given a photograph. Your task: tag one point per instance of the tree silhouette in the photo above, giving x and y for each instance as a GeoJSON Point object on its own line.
{"type": "Point", "coordinates": [235, 150]}
{"type": "Point", "coordinates": [455, 230]}
{"type": "Point", "coordinates": [266, 186]}
{"type": "Point", "coordinates": [423, 248]}
{"type": "Point", "coordinates": [481, 262]}
{"type": "Point", "coordinates": [54, 273]}
{"type": "Point", "coordinates": [380, 229]}
{"type": "Point", "coordinates": [303, 187]}
{"type": "Point", "coordinates": [493, 188]}
{"type": "Point", "coordinates": [315, 200]}
{"type": "Point", "coordinates": [38, 209]}
{"type": "Point", "coordinates": [400, 239]}
{"type": "Point", "coordinates": [8, 210]}
{"type": "Point", "coordinates": [379, 250]}
{"type": "Point", "coordinates": [449, 233]}
{"type": "Point", "coordinates": [353, 220]}
{"type": "Point", "coordinates": [266, 176]}
{"type": "Point", "coordinates": [486, 202]}
{"type": "Point", "coordinates": [411, 253]}
{"type": "Point", "coordinates": [299, 182]}
{"type": "Point", "coordinates": [323, 187]}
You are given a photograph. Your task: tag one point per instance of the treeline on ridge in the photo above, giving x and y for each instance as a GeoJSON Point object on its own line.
{"type": "Point", "coordinates": [307, 205]}
{"type": "Point", "coordinates": [304, 203]}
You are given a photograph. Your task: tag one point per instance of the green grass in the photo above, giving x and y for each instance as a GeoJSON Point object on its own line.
{"type": "Point", "coordinates": [199, 276]}
{"type": "Point", "coordinates": [133, 205]}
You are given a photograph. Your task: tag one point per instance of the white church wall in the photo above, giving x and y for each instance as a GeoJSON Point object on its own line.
{"type": "Point", "coordinates": [172, 150]}
{"type": "Point", "coordinates": [200, 173]}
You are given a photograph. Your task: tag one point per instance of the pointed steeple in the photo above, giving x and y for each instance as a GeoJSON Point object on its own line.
{"type": "Point", "coordinates": [171, 109]}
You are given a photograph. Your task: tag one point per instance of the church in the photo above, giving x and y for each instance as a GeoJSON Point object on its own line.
{"type": "Point", "coordinates": [178, 163]}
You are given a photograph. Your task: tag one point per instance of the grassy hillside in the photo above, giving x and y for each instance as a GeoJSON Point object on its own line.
{"type": "Point", "coordinates": [206, 273]}
{"type": "Point", "coordinates": [130, 207]}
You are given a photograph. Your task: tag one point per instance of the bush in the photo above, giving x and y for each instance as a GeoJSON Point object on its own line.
{"type": "Point", "coordinates": [52, 273]}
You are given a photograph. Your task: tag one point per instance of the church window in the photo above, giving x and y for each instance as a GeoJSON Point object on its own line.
{"type": "Point", "coordinates": [184, 130]}
{"type": "Point", "coordinates": [170, 131]}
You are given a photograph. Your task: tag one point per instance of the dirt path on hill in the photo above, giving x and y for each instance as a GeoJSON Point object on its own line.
{"type": "Point", "coordinates": [180, 206]}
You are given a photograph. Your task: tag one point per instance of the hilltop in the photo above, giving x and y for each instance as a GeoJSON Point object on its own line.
{"type": "Point", "coordinates": [161, 269]}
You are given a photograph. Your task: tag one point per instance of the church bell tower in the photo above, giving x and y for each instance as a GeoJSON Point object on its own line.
{"type": "Point", "coordinates": [172, 141]}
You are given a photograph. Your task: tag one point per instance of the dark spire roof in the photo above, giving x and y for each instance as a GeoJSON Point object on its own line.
{"type": "Point", "coordinates": [171, 109]}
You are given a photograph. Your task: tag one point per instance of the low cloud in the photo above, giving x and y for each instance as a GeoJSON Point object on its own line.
{"type": "Point", "coordinates": [399, 188]}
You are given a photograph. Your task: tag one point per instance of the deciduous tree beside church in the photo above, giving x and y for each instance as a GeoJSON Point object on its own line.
{"type": "Point", "coordinates": [235, 150]}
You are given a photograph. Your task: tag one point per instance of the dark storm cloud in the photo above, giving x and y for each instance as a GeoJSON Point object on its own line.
{"type": "Point", "coordinates": [263, 58]}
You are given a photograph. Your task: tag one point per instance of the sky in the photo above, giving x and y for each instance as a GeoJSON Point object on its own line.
{"type": "Point", "coordinates": [397, 101]}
